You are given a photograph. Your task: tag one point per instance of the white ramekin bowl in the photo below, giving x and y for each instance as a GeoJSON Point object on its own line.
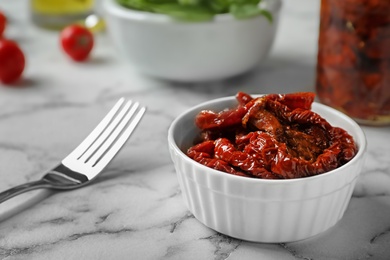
{"type": "Point", "coordinates": [160, 46]}
{"type": "Point", "coordinates": [262, 210]}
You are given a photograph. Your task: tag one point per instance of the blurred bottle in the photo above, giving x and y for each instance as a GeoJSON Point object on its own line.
{"type": "Point", "coordinates": [353, 65]}
{"type": "Point", "coordinates": [56, 14]}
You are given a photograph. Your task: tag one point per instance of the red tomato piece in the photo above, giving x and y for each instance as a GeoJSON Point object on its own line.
{"type": "Point", "coordinates": [3, 23]}
{"type": "Point", "coordinates": [275, 136]}
{"type": "Point", "coordinates": [12, 61]}
{"type": "Point", "coordinates": [77, 41]}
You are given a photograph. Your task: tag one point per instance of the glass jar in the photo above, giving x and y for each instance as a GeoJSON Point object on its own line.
{"type": "Point", "coordinates": [56, 14]}
{"type": "Point", "coordinates": [353, 63]}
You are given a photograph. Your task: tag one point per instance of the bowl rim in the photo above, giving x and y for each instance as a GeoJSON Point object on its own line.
{"type": "Point", "coordinates": [111, 6]}
{"type": "Point", "coordinates": [361, 142]}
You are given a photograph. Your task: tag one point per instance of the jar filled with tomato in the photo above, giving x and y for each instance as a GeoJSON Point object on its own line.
{"type": "Point", "coordinates": [353, 63]}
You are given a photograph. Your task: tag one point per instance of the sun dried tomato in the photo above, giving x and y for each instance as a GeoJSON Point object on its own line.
{"type": "Point", "coordinates": [271, 137]}
{"type": "Point", "coordinates": [209, 119]}
{"type": "Point", "coordinates": [204, 153]}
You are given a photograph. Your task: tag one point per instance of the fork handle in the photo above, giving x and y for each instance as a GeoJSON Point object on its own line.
{"type": "Point", "coordinates": [5, 195]}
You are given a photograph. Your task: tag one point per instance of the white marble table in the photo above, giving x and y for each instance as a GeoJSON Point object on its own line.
{"type": "Point", "coordinates": [135, 210]}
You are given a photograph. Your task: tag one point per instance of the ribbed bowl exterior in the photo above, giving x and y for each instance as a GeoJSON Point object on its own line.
{"type": "Point", "coordinates": [265, 210]}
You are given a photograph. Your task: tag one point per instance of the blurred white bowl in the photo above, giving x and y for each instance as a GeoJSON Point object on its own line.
{"type": "Point", "coordinates": [160, 46]}
{"type": "Point", "coordinates": [263, 210]}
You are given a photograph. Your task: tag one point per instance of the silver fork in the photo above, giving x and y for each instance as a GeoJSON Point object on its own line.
{"type": "Point", "coordinates": [85, 162]}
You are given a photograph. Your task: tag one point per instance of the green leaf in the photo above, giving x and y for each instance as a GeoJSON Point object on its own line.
{"type": "Point", "coordinates": [244, 2]}
{"type": "Point", "coordinates": [137, 4]}
{"type": "Point", "coordinates": [244, 11]}
{"type": "Point", "coordinates": [241, 11]}
{"type": "Point", "coordinates": [199, 10]}
{"type": "Point", "coordinates": [159, 1]}
{"type": "Point", "coordinates": [189, 2]}
{"type": "Point", "coordinates": [267, 15]}
{"type": "Point", "coordinates": [185, 13]}
{"type": "Point", "coordinates": [219, 6]}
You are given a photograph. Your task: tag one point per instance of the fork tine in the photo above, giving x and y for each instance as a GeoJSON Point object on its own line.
{"type": "Point", "coordinates": [110, 136]}
{"type": "Point", "coordinates": [113, 144]}
{"type": "Point", "coordinates": [105, 133]}
{"type": "Point", "coordinates": [88, 141]}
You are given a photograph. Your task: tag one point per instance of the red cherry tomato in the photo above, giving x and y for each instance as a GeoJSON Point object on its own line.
{"type": "Point", "coordinates": [12, 61]}
{"type": "Point", "coordinates": [3, 22]}
{"type": "Point", "coordinates": [77, 41]}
